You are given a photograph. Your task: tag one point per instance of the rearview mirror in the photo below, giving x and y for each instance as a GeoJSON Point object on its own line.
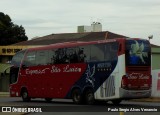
{"type": "Point", "coordinates": [24, 67]}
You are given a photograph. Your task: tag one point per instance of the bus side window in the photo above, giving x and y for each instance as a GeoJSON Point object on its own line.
{"type": "Point", "coordinates": [60, 56]}
{"type": "Point", "coordinates": [97, 52]}
{"type": "Point", "coordinates": [83, 54]}
{"type": "Point", "coordinates": [111, 51]}
{"type": "Point", "coordinates": [114, 50]}
{"type": "Point", "coordinates": [51, 57]}
{"type": "Point", "coordinates": [72, 55]}
{"type": "Point", "coordinates": [41, 57]}
{"type": "Point", "coordinates": [30, 59]}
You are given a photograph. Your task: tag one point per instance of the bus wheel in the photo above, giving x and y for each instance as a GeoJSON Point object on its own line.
{"type": "Point", "coordinates": [48, 99]}
{"type": "Point", "coordinates": [25, 96]}
{"type": "Point", "coordinates": [116, 102]}
{"type": "Point", "coordinates": [89, 97]}
{"type": "Point", "coordinates": [76, 96]}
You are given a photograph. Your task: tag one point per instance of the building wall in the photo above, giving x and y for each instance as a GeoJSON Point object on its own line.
{"type": "Point", "coordinates": [96, 27]}
{"type": "Point", "coordinates": [155, 58]}
{"type": "Point", "coordinates": [5, 59]}
{"type": "Point", "coordinates": [156, 83]}
{"type": "Point", "coordinates": [82, 29]}
{"type": "Point", "coordinates": [4, 83]}
{"type": "Point", "coordinates": [4, 77]}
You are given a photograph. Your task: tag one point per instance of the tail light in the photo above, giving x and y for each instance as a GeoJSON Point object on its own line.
{"type": "Point", "coordinates": [124, 82]}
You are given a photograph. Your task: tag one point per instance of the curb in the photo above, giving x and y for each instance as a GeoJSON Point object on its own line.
{"type": "Point", "coordinates": [4, 94]}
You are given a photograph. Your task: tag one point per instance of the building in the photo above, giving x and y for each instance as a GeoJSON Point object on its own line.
{"type": "Point", "coordinates": [81, 29]}
{"type": "Point", "coordinates": [95, 27]}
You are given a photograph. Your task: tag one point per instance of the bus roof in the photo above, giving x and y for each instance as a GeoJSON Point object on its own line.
{"type": "Point", "coordinates": [71, 44]}
{"type": "Point", "coordinates": [79, 43]}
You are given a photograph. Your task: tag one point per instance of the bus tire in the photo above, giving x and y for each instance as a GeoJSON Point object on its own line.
{"type": "Point", "coordinates": [76, 96]}
{"type": "Point", "coordinates": [48, 99]}
{"type": "Point", "coordinates": [116, 101]}
{"type": "Point", "coordinates": [25, 96]}
{"type": "Point", "coordinates": [89, 97]}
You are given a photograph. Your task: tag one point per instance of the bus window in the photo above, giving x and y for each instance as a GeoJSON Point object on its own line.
{"type": "Point", "coordinates": [72, 55]}
{"type": "Point", "coordinates": [51, 57]}
{"type": "Point", "coordinates": [30, 59]}
{"type": "Point", "coordinates": [138, 53]}
{"type": "Point", "coordinates": [97, 48]}
{"type": "Point", "coordinates": [61, 56]}
{"type": "Point", "coordinates": [84, 53]}
{"type": "Point", "coordinates": [41, 57]}
{"type": "Point", "coordinates": [111, 51]}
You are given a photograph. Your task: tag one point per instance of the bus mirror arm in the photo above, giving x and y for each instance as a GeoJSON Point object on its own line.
{"type": "Point", "coordinates": [24, 67]}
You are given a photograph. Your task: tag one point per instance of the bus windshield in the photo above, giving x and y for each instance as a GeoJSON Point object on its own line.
{"type": "Point", "coordinates": [16, 61]}
{"type": "Point", "coordinates": [138, 53]}
{"type": "Point", "coordinates": [17, 58]}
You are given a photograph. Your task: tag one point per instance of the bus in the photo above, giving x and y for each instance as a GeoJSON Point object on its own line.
{"type": "Point", "coordinates": [105, 70]}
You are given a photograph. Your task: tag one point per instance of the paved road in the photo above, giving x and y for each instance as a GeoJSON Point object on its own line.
{"type": "Point", "coordinates": [67, 107]}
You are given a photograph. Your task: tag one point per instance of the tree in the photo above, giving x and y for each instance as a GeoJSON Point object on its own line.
{"type": "Point", "coordinates": [10, 33]}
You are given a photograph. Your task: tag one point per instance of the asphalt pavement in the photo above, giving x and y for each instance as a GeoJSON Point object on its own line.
{"type": "Point", "coordinates": [67, 107]}
{"type": "Point", "coordinates": [151, 99]}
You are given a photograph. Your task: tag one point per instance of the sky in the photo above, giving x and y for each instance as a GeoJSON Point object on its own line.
{"type": "Point", "coordinates": [132, 18]}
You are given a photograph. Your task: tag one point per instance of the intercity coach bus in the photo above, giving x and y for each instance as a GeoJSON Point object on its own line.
{"type": "Point", "coordinates": [104, 70]}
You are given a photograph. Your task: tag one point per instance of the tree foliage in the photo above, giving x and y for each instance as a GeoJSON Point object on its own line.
{"type": "Point", "coordinates": [10, 33]}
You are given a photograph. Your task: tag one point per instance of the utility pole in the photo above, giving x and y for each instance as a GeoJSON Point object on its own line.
{"type": "Point", "coordinates": [121, 113]}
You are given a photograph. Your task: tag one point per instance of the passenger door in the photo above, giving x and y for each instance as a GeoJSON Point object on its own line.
{"type": "Point", "coordinates": [29, 74]}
